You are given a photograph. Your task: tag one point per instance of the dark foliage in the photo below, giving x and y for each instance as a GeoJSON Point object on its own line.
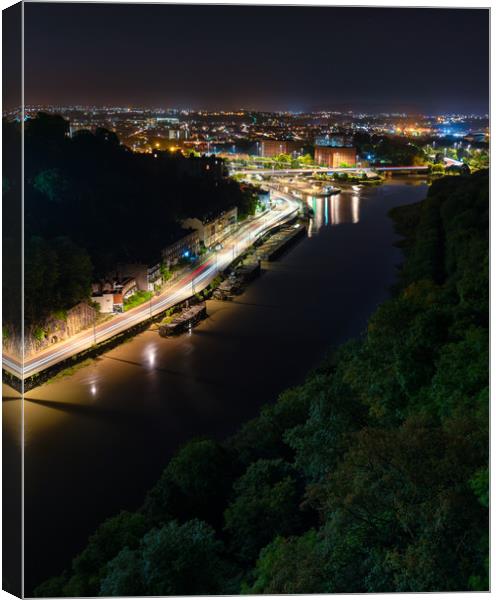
{"type": "Point", "coordinates": [372, 476]}
{"type": "Point", "coordinates": [109, 204]}
{"type": "Point", "coordinates": [388, 150]}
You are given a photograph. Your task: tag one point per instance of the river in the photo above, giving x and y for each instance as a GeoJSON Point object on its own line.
{"type": "Point", "coordinates": [96, 440]}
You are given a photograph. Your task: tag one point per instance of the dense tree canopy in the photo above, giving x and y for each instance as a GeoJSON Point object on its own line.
{"type": "Point", "coordinates": [89, 203]}
{"type": "Point", "coordinates": [389, 150]}
{"type": "Point", "coordinates": [12, 226]}
{"type": "Point", "coordinates": [372, 476]}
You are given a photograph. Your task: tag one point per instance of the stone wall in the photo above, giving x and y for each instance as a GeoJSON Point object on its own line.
{"type": "Point", "coordinates": [56, 329]}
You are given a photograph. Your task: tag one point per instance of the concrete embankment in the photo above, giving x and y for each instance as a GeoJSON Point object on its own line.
{"type": "Point", "coordinates": [280, 241]}
{"type": "Point", "coordinates": [90, 353]}
{"type": "Point", "coordinates": [267, 249]}
{"type": "Point", "coordinates": [244, 269]}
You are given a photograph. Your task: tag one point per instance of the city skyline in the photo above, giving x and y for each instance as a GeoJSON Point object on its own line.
{"type": "Point", "coordinates": [239, 111]}
{"type": "Point", "coordinates": [312, 58]}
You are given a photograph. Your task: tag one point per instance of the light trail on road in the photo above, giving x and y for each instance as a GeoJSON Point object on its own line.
{"type": "Point", "coordinates": [186, 287]}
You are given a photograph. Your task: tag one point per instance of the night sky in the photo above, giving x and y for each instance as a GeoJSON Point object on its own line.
{"type": "Point", "coordinates": [269, 58]}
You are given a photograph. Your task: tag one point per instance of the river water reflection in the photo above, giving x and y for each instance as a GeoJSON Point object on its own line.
{"type": "Point", "coordinates": [96, 440]}
{"type": "Point", "coordinates": [334, 210]}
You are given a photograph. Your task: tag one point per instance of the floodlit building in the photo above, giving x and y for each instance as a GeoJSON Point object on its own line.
{"type": "Point", "coordinates": [122, 291]}
{"type": "Point", "coordinates": [185, 243]}
{"type": "Point", "coordinates": [105, 302]}
{"type": "Point", "coordinates": [212, 229]}
{"type": "Point", "coordinates": [335, 157]}
{"type": "Point", "coordinates": [269, 148]}
{"type": "Point", "coordinates": [147, 276]}
{"type": "Point", "coordinates": [336, 141]}
{"type": "Point", "coordinates": [110, 295]}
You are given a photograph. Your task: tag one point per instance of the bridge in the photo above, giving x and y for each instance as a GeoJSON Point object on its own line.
{"type": "Point", "coordinates": [326, 170]}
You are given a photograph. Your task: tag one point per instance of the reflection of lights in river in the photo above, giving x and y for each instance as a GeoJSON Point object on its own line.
{"type": "Point", "coordinates": [355, 209]}
{"type": "Point", "coordinates": [335, 201]}
{"type": "Point", "coordinates": [150, 354]}
{"type": "Point", "coordinates": [336, 209]}
{"type": "Point", "coordinates": [285, 207]}
{"type": "Point", "coordinates": [310, 227]}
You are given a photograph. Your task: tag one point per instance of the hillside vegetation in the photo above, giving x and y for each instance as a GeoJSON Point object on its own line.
{"type": "Point", "coordinates": [372, 476]}
{"type": "Point", "coordinates": [90, 203]}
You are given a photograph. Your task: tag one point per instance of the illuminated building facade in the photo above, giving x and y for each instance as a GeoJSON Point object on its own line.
{"type": "Point", "coordinates": [213, 229]}
{"type": "Point", "coordinates": [334, 157]}
{"type": "Point", "coordinates": [186, 244]}
{"type": "Point", "coordinates": [147, 276]}
{"type": "Point", "coordinates": [336, 141]}
{"type": "Point", "coordinates": [269, 148]}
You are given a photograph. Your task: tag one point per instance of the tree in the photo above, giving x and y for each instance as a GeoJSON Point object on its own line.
{"type": "Point", "coordinates": [41, 280]}
{"type": "Point", "coordinates": [371, 476]}
{"type": "Point", "coordinates": [437, 169]}
{"type": "Point", "coordinates": [89, 568]}
{"type": "Point", "coordinates": [400, 514]}
{"type": "Point", "coordinates": [335, 412]}
{"type": "Point", "coordinates": [306, 159]}
{"type": "Point", "coordinates": [123, 575]}
{"type": "Point", "coordinates": [182, 560]}
{"type": "Point", "coordinates": [265, 504]}
{"type": "Point", "coordinates": [51, 588]}
{"type": "Point", "coordinates": [294, 565]}
{"type": "Point", "coordinates": [47, 129]}
{"type": "Point", "coordinates": [88, 184]}
{"type": "Point", "coordinates": [195, 483]}
{"type": "Point", "coordinates": [75, 271]}
{"type": "Point", "coordinates": [51, 184]}
{"type": "Point", "coordinates": [57, 276]}
{"type": "Point", "coordinates": [460, 385]}
{"type": "Point", "coordinates": [263, 437]}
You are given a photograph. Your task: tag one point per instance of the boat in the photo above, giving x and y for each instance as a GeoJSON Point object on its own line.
{"type": "Point", "coordinates": [328, 190]}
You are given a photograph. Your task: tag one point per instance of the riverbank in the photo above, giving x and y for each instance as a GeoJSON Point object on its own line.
{"type": "Point", "coordinates": [122, 417]}
{"type": "Point", "coordinates": [297, 467]}
{"type": "Point", "coordinates": [283, 236]}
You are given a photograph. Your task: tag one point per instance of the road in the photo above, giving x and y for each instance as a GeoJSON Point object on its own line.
{"type": "Point", "coordinates": [189, 284]}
